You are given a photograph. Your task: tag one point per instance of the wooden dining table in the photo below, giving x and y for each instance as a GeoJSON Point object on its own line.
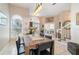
{"type": "Point", "coordinates": [34, 44]}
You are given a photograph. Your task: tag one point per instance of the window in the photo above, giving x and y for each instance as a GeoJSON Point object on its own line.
{"type": "Point", "coordinates": [3, 18]}
{"type": "Point", "coordinates": [16, 25]}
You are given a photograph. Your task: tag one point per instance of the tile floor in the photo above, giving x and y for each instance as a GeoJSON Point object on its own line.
{"type": "Point", "coordinates": [60, 48]}
{"type": "Point", "coordinates": [10, 49]}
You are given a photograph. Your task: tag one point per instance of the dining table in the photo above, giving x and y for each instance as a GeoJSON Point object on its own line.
{"type": "Point", "coordinates": [35, 42]}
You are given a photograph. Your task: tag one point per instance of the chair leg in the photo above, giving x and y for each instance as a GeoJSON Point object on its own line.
{"type": "Point", "coordinates": [31, 52]}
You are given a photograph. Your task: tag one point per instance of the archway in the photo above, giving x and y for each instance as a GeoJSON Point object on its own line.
{"type": "Point", "coordinates": [16, 25]}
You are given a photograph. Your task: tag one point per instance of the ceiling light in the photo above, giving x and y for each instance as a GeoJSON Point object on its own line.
{"type": "Point", "coordinates": [38, 8]}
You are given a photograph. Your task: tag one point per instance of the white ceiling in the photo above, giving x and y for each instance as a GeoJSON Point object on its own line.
{"type": "Point", "coordinates": [48, 9]}
{"type": "Point", "coordinates": [52, 10]}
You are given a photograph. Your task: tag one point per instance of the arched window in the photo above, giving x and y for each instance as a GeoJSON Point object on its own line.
{"type": "Point", "coordinates": [16, 24]}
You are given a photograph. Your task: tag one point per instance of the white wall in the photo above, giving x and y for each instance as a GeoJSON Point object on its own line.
{"type": "Point", "coordinates": [4, 33]}
{"type": "Point", "coordinates": [74, 27]}
{"type": "Point", "coordinates": [23, 13]}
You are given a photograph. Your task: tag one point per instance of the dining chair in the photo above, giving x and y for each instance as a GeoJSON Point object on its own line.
{"type": "Point", "coordinates": [42, 49]}
{"type": "Point", "coordinates": [27, 40]}
{"type": "Point", "coordinates": [20, 46]}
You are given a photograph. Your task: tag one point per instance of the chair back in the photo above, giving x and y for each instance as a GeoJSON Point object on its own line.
{"type": "Point", "coordinates": [19, 44]}
{"type": "Point", "coordinates": [45, 46]}
{"type": "Point", "coordinates": [27, 40]}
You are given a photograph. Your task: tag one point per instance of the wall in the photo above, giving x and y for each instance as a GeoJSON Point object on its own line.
{"type": "Point", "coordinates": [42, 20]}
{"type": "Point", "coordinates": [74, 27]}
{"type": "Point", "coordinates": [7, 45]}
{"type": "Point", "coordinates": [23, 12]}
{"type": "Point", "coordinates": [4, 33]}
{"type": "Point", "coordinates": [61, 17]}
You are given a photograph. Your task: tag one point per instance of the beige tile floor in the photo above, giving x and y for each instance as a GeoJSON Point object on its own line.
{"type": "Point", "coordinates": [10, 49]}
{"type": "Point", "coordinates": [60, 48]}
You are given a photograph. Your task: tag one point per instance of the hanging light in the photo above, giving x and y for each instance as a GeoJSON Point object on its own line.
{"type": "Point", "coordinates": [38, 8]}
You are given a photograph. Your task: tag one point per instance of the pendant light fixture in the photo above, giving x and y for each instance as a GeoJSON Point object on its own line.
{"type": "Point", "coordinates": [37, 9]}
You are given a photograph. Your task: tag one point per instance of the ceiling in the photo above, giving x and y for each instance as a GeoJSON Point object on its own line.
{"type": "Point", "coordinates": [48, 9]}
{"type": "Point", "coordinates": [52, 10]}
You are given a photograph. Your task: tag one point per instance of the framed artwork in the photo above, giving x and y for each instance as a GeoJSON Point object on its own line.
{"type": "Point", "coordinates": [3, 19]}
{"type": "Point", "coordinates": [77, 18]}
{"type": "Point", "coordinates": [49, 19]}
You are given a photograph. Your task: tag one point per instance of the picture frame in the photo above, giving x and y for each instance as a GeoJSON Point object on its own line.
{"type": "Point", "coordinates": [77, 18]}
